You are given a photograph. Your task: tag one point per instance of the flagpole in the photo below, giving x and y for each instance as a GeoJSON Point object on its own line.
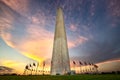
{"type": "Point", "coordinates": [43, 69]}
{"type": "Point", "coordinates": [43, 66]}
{"type": "Point", "coordinates": [96, 68]}
{"type": "Point", "coordinates": [80, 63]}
{"type": "Point", "coordinates": [31, 70]}
{"type": "Point", "coordinates": [74, 65]}
{"type": "Point", "coordinates": [85, 67]}
{"type": "Point", "coordinates": [80, 69]}
{"type": "Point", "coordinates": [89, 68]}
{"type": "Point", "coordinates": [26, 67]}
{"type": "Point", "coordinates": [37, 68]}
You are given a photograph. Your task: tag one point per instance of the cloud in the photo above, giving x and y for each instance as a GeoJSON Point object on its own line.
{"type": "Point", "coordinates": [37, 41]}
{"type": "Point", "coordinates": [73, 27]}
{"type": "Point", "coordinates": [6, 18]}
{"type": "Point", "coordinates": [39, 18]}
{"type": "Point", "coordinates": [93, 8]}
{"type": "Point", "coordinates": [109, 61]}
{"type": "Point", "coordinates": [7, 38]}
{"type": "Point", "coordinates": [38, 44]}
{"type": "Point", "coordinates": [113, 8]}
{"type": "Point", "coordinates": [14, 65]}
{"type": "Point", "coordinates": [20, 6]}
{"type": "Point", "coordinates": [4, 69]}
{"type": "Point", "coordinates": [80, 40]}
{"type": "Point", "coordinates": [9, 63]}
{"type": "Point", "coordinates": [109, 66]}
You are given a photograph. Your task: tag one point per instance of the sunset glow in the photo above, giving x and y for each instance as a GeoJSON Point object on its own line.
{"type": "Point", "coordinates": [27, 32]}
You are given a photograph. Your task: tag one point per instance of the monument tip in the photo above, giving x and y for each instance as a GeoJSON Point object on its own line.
{"type": "Point", "coordinates": [59, 8]}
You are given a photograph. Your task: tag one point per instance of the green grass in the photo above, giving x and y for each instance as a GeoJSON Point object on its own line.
{"type": "Point", "coordinates": [71, 77]}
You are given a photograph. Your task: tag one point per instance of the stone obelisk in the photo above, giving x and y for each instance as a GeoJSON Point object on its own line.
{"type": "Point", "coordinates": [60, 58]}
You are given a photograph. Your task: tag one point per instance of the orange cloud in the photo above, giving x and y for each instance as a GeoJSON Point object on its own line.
{"type": "Point", "coordinates": [37, 45]}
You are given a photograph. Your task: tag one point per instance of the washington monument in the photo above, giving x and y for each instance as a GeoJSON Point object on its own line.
{"type": "Point", "coordinates": [60, 58]}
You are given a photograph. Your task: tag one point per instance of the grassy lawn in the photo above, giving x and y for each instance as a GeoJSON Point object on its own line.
{"type": "Point", "coordinates": [71, 77]}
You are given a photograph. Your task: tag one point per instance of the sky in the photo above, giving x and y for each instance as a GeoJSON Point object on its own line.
{"type": "Point", "coordinates": [27, 30]}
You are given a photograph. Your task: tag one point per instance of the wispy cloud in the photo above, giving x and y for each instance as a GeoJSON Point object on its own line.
{"type": "Point", "coordinates": [6, 18]}
{"type": "Point", "coordinates": [8, 39]}
{"type": "Point", "coordinates": [20, 6]}
{"type": "Point", "coordinates": [4, 70]}
{"type": "Point", "coordinates": [109, 61]}
{"type": "Point", "coordinates": [80, 40]}
{"type": "Point", "coordinates": [38, 43]}
{"type": "Point", "coordinates": [17, 66]}
{"type": "Point", "coordinates": [27, 26]}
{"type": "Point", "coordinates": [109, 66]}
{"type": "Point", "coordinates": [73, 27]}
{"type": "Point", "coordinates": [113, 7]}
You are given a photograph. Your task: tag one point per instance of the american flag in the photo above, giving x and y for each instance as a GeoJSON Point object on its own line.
{"type": "Point", "coordinates": [80, 63]}
{"type": "Point", "coordinates": [34, 64]}
{"type": "Point", "coordinates": [74, 62]}
{"type": "Point", "coordinates": [30, 65]}
{"type": "Point", "coordinates": [26, 67]}
{"type": "Point", "coordinates": [43, 63]}
{"type": "Point", "coordinates": [95, 66]}
{"type": "Point", "coordinates": [85, 63]}
{"type": "Point", "coordinates": [90, 63]}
